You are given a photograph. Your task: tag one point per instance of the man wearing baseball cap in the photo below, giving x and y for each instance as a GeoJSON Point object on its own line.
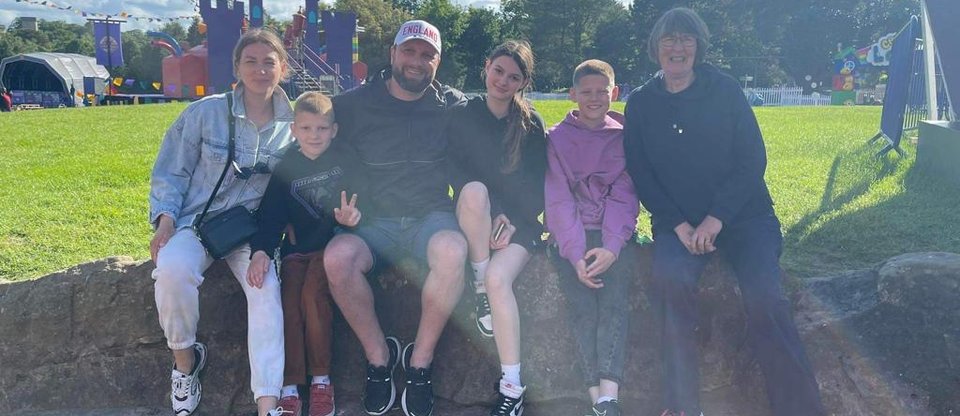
{"type": "Point", "coordinates": [396, 125]}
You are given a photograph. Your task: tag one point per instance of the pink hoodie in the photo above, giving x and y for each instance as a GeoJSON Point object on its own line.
{"type": "Point", "coordinates": [587, 186]}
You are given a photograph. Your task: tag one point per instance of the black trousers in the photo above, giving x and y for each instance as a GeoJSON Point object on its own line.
{"type": "Point", "coordinates": [753, 248]}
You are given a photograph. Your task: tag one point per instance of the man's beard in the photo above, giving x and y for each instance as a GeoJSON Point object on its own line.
{"type": "Point", "coordinates": [411, 85]}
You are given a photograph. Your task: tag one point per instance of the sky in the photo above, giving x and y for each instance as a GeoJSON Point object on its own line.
{"type": "Point", "coordinates": [11, 9]}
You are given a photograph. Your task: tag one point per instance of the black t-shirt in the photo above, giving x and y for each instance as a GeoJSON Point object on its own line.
{"type": "Point", "coordinates": [303, 192]}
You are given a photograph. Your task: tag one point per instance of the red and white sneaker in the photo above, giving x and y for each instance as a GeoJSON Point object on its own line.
{"type": "Point", "coordinates": [321, 400]}
{"type": "Point", "coordinates": [290, 405]}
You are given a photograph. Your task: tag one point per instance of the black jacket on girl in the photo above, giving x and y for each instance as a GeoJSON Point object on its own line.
{"type": "Point", "coordinates": [476, 154]}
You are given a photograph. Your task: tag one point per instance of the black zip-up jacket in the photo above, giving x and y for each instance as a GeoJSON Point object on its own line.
{"type": "Point", "coordinates": [697, 152]}
{"type": "Point", "coordinates": [401, 145]}
{"type": "Point", "coordinates": [476, 154]}
{"type": "Point", "coordinates": [303, 192]}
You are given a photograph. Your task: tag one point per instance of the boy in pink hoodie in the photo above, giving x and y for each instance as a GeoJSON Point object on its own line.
{"type": "Point", "coordinates": [591, 214]}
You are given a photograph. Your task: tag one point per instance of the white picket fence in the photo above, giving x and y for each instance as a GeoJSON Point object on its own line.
{"type": "Point", "coordinates": [784, 96]}
{"type": "Point", "coordinates": [777, 96]}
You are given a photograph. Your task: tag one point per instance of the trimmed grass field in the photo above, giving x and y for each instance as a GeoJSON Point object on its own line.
{"type": "Point", "coordinates": [74, 184]}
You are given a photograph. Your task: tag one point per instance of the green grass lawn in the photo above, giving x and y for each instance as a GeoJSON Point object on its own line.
{"type": "Point", "coordinates": [74, 186]}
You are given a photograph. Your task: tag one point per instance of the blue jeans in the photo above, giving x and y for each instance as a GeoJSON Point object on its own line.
{"type": "Point", "coordinates": [753, 248]}
{"type": "Point", "coordinates": [392, 238]}
{"type": "Point", "coordinates": [598, 318]}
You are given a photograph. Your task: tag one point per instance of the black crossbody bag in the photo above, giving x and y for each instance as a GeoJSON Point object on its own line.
{"type": "Point", "coordinates": [234, 227]}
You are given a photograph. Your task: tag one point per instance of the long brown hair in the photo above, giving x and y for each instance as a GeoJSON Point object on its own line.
{"type": "Point", "coordinates": [520, 115]}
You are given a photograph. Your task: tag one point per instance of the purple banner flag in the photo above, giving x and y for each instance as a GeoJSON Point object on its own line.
{"type": "Point", "coordinates": [106, 37]}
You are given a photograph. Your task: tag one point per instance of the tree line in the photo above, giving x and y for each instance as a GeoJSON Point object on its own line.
{"type": "Point", "coordinates": [777, 42]}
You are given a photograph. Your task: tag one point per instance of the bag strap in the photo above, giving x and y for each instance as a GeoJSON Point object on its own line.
{"type": "Point", "coordinates": [231, 121]}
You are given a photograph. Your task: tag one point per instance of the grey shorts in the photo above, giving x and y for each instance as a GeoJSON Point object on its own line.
{"type": "Point", "coordinates": [393, 238]}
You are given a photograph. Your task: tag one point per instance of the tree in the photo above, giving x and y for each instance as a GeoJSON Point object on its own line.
{"type": "Point", "coordinates": [380, 21]}
{"type": "Point", "coordinates": [560, 31]}
{"type": "Point", "coordinates": [141, 60]}
{"type": "Point", "coordinates": [855, 23]}
{"type": "Point", "coordinates": [612, 43]}
{"type": "Point", "coordinates": [481, 33]}
{"type": "Point", "coordinates": [449, 20]}
{"type": "Point", "coordinates": [280, 25]}
{"type": "Point", "coordinates": [409, 6]}
{"type": "Point", "coordinates": [175, 30]}
{"type": "Point", "coordinates": [194, 37]}
{"type": "Point", "coordinates": [11, 44]}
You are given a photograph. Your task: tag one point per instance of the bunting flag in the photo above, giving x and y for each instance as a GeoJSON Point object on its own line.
{"type": "Point", "coordinates": [157, 85]}
{"type": "Point", "coordinates": [118, 81]}
{"type": "Point", "coordinates": [121, 14]}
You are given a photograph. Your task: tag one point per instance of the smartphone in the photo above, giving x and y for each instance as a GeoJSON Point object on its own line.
{"type": "Point", "coordinates": [496, 235]}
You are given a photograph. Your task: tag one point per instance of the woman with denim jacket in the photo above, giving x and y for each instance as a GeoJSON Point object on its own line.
{"type": "Point", "coordinates": [191, 159]}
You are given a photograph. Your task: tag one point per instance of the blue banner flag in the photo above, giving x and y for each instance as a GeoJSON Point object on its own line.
{"type": "Point", "coordinates": [106, 38]}
{"type": "Point", "coordinates": [898, 82]}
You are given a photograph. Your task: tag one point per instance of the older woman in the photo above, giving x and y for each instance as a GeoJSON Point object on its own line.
{"type": "Point", "coordinates": [192, 157]}
{"type": "Point", "coordinates": [696, 155]}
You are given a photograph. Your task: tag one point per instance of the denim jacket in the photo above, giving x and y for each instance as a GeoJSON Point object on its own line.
{"type": "Point", "coordinates": [194, 152]}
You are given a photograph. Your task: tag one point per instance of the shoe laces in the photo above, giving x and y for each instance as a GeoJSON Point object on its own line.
{"type": "Point", "coordinates": [378, 374]}
{"type": "Point", "coordinates": [483, 305]}
{"type": "Point", "coordinates": [419, 377]}
{"type": "Point", "coordinates": [181, 385]}
{"type": "Point", "coordinates": [279, 411]}
{"type": "Point", "coordinates": [505, 404]}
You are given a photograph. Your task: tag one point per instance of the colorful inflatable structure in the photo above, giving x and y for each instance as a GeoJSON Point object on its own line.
{"type": "Point", "coordinates": [184, 72]}
{"type": "Point", "coordinates": [851, 66]}
{"type": "Point", "coordinates": [331, 66]}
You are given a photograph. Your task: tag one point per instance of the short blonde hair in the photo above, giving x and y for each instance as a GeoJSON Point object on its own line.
{"type": "Point", "coordinates": [593, 67]}
{"type": "Point", "coordinates": [314, 102]}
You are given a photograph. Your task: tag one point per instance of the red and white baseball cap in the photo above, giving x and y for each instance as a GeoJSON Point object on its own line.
{"type": "Point", "coordinates": [418, 29]}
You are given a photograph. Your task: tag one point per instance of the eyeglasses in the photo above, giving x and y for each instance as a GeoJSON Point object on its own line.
{"type": "Point", "coordinates": [686, 41]}
{"type": "Point", "coordinates": [247, 172]}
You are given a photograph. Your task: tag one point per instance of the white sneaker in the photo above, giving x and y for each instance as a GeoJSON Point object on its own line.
{"type": "Point", "coordinates": [185, 388]}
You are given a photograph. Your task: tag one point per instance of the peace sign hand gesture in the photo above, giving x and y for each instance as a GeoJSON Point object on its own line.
{"type": "Point", "coordinates": [347, 214]}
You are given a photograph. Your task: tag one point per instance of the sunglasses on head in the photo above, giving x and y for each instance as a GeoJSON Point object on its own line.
{"type": "Point", "coordinates": [248, 171]}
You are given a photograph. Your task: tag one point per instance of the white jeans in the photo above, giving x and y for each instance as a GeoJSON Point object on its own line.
{"type": "Point", "coordinates": [179, 273]}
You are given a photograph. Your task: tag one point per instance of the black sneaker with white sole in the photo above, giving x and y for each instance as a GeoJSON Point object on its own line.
{"type": "Point", "coordinates": [380, 392]}
{"type": "Point", "coordinates": [509, 399]}
{"type": "Point", "coordinates": [607, 408]}
{"type": "Point", "coordinates": [484, 318]}
{"type": "Point", "coordinates": [417, 399]}
{"type": "Point", "coordinates": [185, 390]}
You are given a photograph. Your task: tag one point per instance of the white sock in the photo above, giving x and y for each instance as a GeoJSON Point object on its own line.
{"type": "Point", "coordinates": [479, 272]}
{"type": "Point", "coordinates": [602, 399]}
{"type": "Point", "coordinates": [325, 379]}
{"type": "Point", "coordinates": [511, 373]}
{"type": "Point", "coordinates": [290, 390]}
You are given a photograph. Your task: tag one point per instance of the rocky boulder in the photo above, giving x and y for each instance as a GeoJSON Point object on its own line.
{"type": "Point", "coordinates": [883, 341]}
